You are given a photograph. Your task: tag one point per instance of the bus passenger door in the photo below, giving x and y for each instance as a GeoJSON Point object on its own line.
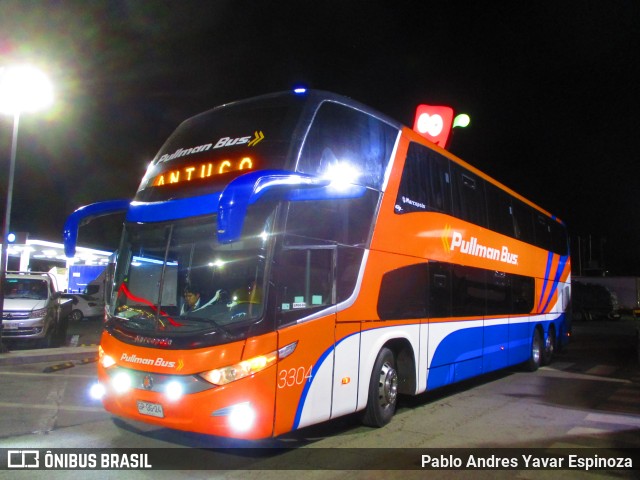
{"type": "Point", "coordinates": [306, 314]}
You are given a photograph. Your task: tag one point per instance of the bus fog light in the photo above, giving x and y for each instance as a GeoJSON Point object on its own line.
{"type": "Point", "coordinates": [97, 391]}
{"type": "Point", "coordinates": [121, 382]}
{"type": "Point", "coordinates": [241, 416]}
{"type": "Point", "coordinates": [173, 390]}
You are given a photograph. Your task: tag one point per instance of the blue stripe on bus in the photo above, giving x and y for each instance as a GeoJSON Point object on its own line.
{"type": "Point", "coordinates": [556, 280]}
{"type": "Point", "coordinates": [307, 386]}
{"type": "Point", "coordinates": [457, 356]}
{"type": "Point", "coordinates": [546, 279]}
{"type": "Point", "coordinates": [461, 354]}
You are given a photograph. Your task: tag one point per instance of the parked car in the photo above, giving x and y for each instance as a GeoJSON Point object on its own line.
{"type": "Point", "coordinates": [34, 310]}
{"type": "Point", "coordinates": [84, 306]}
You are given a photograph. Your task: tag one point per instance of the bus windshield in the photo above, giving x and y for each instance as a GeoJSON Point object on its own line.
{"type": "Point", "coordinates": [175, 278]}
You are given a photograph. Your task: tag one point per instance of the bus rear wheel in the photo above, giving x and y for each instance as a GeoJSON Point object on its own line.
{"type": "Point", "coordinates": [535, 356]}
{"type": "Point", "coordinates": [549, 347]}
{"type": "Point", "coordinates": [383, 391]}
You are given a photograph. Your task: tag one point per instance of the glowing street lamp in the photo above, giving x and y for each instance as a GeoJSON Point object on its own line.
{"type": "Point", "coordinates": [23, 89]}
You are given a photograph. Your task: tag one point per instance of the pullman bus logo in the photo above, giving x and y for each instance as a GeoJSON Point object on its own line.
{"type": "Point", "coordinates": [446, 233]}
{"type": "Point", "coordinates": [453, 240]}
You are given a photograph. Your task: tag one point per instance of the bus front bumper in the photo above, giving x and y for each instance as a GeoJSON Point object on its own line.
{"type": "Point", "coordinates": [242, 409]}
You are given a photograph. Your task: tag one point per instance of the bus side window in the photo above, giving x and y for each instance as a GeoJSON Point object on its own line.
{"type": "Point", "coordinates": [522, 293]}
{"type": "Point", "coordinates": [499, 210]}
{"type": "Point", "coordinates": [498, 293]}
{"type": "Point", "coordinates": [469, 291]}
{"type": "Point", "coordinates": [403, 293]}
{"type": "Point", "coordinates": [543, 232]}
{"type": "Point", "coordinates": [468, 196]}
{"type": "Point", "coordinates": [343, 138]}
{"type": "Point", "coordinates": [560, 242]}
{"type": "Point", "coordinates": [425, 184]}
{"type": "Point", "coordinates": [305, 282]}
{"type": "Point", "coordinates": [523, 216]}
{"type": "Point", "coordinates": [439, 290]}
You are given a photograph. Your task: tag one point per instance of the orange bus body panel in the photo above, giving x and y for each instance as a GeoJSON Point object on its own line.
{"type": "Point", "coordinates": [195, 412]}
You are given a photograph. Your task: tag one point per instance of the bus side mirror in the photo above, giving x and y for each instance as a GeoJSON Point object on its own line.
{"type": "Point", "coordinates": [248, 189]}
{"type": "Point", "coordinates": [274, 184]}
{"type": "Point", "coordinates": [85, 214]}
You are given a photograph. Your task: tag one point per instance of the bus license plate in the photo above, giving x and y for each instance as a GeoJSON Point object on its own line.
{"type": "Point", "coordinates": [152, 409]}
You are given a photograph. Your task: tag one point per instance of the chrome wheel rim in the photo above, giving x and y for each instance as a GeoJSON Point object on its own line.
{"type": "Point", "coordinates": [388, 386]}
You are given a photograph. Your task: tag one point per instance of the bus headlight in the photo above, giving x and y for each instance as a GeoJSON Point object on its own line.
{"type": "Point", "coordinates": [105, 360]}
{"type": "Point", "coordinates": [224, 375]}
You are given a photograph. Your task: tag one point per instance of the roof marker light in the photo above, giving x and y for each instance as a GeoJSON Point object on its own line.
{"type": "Point", "coordinates": [300, 90]}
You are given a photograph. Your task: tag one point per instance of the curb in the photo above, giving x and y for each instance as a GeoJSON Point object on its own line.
{"type": "Point", "coordinates": [63, 354]}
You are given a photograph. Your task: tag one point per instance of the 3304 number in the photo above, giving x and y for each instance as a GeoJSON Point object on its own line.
{"type": "Point", "coordinates": [294, 376]}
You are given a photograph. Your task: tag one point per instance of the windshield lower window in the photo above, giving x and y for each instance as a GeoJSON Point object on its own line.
{"type": "Point", "coordinates": [176, 279]}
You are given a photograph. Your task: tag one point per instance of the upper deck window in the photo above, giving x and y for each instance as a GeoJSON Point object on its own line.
{"type": "Point", "coordinates": [347, 145]}
{"type": "Point", "coordinates": [431, 182]}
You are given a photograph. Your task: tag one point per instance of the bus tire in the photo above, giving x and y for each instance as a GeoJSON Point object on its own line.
{"type": "Point", "coordinates": [549, 347]}
{"type": "Point", "coordinates": [383, 391]}
{"type": "Point", "coordinates": [535, 354]}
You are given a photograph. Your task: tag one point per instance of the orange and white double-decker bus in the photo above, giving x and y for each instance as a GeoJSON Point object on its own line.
{"type": "Point", "coordinates": [296, 257]}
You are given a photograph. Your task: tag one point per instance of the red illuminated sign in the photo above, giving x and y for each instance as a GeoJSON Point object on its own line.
{"type": "Point", "coordinates": [434, 123]}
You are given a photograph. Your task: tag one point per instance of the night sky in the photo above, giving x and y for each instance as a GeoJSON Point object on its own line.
{"type": "Point", "coordinates": [552, 88]}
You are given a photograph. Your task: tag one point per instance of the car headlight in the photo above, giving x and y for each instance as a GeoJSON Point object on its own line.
{"type": "Point", "coordinates": [224, 375]}
{"type": "Point", "coordinates": [41, 312]}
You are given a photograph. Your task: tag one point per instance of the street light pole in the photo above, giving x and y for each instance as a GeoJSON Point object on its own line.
{"type": "Point", "coordinates": [7, 221]}
{"type": "Point", "coordinates": [22, 89]}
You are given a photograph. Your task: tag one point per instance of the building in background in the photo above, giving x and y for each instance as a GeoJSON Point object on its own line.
{"type": "Point", "coordinates": [73, 274]}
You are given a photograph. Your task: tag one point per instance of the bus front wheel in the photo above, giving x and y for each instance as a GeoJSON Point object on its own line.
{"type": "Point", "coordinates": [383, 391]}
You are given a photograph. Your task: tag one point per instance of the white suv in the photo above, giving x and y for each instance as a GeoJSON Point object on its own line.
{"type": "Point", "coordinates": [34, 309]}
